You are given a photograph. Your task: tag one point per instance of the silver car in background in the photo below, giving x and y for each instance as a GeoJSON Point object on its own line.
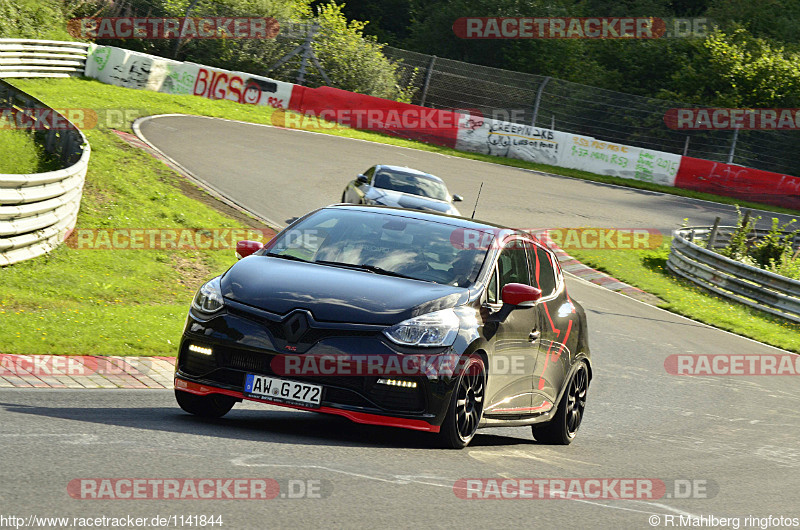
{"type": "Point", "coordinates": [401, 187]}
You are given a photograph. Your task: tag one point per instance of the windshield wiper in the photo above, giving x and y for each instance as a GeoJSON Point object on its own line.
{"type": "Point", "coordinates": [365, 267]}
{"type": "Point", "coordinates": [286, 256]}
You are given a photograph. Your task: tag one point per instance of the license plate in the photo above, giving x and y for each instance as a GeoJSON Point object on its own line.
{"type": "Point", "coordinates": [282, 390]}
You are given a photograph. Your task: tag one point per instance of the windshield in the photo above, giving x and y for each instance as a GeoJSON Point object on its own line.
{"type": "Point", "coordinates": [412, 184]}
{"type": "Point", "coordinates": [381, 243]}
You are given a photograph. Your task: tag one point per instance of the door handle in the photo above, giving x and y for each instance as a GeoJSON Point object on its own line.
{"type": "Point", "coordinates": [534, 335]}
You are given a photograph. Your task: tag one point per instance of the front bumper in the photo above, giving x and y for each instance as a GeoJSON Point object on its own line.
{"type": "Point", "coordinates": [242, 346]}
{"type": "Point", "coordinates": [352, 415]}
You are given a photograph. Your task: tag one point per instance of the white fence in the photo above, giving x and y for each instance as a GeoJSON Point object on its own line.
{"type": "Point", "coordinates": [749, 285]}
{"type": "Point", "coordinates": [41, 58]}
{"type": "Point", "coordinates": [37, 211]}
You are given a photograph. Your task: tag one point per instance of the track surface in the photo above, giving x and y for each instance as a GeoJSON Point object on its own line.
{"type": "Point", "coordinates": [738, 433]}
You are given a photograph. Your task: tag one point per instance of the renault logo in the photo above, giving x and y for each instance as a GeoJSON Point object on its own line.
{"type": "Point", "coordinates": [295, 327]}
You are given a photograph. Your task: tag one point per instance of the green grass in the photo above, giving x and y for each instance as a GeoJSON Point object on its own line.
{"type": "Point", "coordinates": [646, 269]}
{"type": "Point", "coordinates": [115, 302]}
{"type": "Point", "coordinates": [133, 302]}
{"type": "Point", "coordinates": [19, 152]}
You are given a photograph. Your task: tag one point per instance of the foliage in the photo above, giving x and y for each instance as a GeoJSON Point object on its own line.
{"type": "Point", "coordinates": [740, 239]}
{"type": "Point", "coordinates": [773, 252]}
{"type": "Point", "coordinates": [738, 70]}
{"type": "Point", "coordinates": [352, 60]}
{"type": "Point", "coordinates": [33, 19]}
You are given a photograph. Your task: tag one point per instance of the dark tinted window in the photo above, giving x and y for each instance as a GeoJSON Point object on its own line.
{"type": "Point", "coordinates": [411, 184]}
{"type": "Point", "coordinates": [415, 248]}
{"type": "Point", "coordinates": [543, 274]}
{"type": "Point", "coordinates": [513, 264]}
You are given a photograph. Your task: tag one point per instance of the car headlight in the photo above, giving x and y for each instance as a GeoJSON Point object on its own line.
{"type": "Point", "coordinates": [439, 328]}
{"type": "Point", "coordinates": [209, 298]}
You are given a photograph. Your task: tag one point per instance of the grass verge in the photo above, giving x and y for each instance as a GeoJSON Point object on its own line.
{"type": "Point", "coordinates": [646, 269]}
{"type": "Point", "coordinates": [133, 302]}
{"type": "Point", "coordinates": [19, 153]}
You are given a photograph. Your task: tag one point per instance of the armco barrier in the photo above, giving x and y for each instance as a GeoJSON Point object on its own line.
{"type": "Point", "coordinates": [749, 285]}
{"type": "Point", "coordinates": [405, 120]}
{"type": "Point", "coordinates": [37, 211]}
{"type": "Point", "coordinates": [738, 181]}
{"type": "Point", "coordinates": [41, 58]}
{"type": "Point", "coordinates": [125, 68]}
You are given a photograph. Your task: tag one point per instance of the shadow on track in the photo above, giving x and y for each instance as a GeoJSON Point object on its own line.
{"type": "Point", "coordinates": [269, 425]}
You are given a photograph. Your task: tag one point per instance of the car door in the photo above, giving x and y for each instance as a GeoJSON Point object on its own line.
{"type": "Point", "coordinates": [514, 355]}
{"type": "Point", "coordinates": [556, 319]}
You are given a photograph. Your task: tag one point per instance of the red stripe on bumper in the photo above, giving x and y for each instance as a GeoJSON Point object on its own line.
{"type": "Point", "coordinates": [357, 417]}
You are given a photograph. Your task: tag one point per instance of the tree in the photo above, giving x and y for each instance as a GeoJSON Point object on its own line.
{"type": "Point", "coordinates": [738, 70]}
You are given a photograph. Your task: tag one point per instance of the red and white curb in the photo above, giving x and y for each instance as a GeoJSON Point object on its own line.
{"type": "Point", "coordinates": [85, 371]}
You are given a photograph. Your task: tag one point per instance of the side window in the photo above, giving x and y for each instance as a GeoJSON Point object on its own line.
{"type": "Point", "coordinates": [543, 273]}
{"type": "Point", "coordinates": [513, 264]}
{"type": "Point", "coordinates": [368, 173]}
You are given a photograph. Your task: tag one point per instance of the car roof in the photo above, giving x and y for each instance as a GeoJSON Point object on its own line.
{"type": "Point", "coordinates": [462, 222]}
{"type": "Point", "coordinates": [410, 170]}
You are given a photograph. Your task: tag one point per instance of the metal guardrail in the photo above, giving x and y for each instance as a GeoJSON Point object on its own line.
{"type": "Point", "coordinates": [749, 285]}
{"type": "Point", "coordinates": [37, 211]}
{"type": "Point", "coordinates": [42, 58]}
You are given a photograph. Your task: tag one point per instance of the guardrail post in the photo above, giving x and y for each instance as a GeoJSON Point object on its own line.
{"type": "Point", "coordinates": [712, 237]}
{"type": "Point", "coordinates": [428, 74]}
{"type": "Point", "coordinates": [538, 101]}
{"type": "Point", "coordinates": [733, 145]}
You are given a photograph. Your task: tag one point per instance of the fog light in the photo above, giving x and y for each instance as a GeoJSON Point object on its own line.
{"type": "Point", "coordinates": [398, 382]}
{"type": "Point", "coordinates": [200, 349]}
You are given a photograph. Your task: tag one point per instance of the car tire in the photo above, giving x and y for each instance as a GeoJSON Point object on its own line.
{"type": "Point", "coordinates": [561, 430]}
{"type": "Point", "coordinates": [210, 406]}
{"type": "Point", "coordinates": [344, 197]}
{"type": "Point", "coordinates": [466, 405]}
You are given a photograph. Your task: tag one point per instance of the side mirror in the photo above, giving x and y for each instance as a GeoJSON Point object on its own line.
{"type": "Point", "coordinates": [246, 247]}
{"type": "Point", "coordinates": [457, 198]}
{"type": "Point", "coordinates": [362, 179]}
{"type": "Point", "coordinates": [518, 294]}
{"type": "Point", "coordinates": [515, 296]}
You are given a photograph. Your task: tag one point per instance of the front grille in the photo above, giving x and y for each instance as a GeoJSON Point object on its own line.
{"type": "Point", "coordinates": [247, 361]}
{"type": "Point", "coordinates": [312, 335]}
{"type": "Point", "coordinates": [340, 396]}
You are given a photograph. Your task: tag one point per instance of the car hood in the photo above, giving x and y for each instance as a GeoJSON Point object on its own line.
{"type": "Point", "coordinates": [407, 200]}
{"type": "Point", "coordinates": [334, 294]}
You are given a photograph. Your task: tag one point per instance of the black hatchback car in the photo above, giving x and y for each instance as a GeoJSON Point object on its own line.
{"type": "Point", "coordinates": [392, 317]}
